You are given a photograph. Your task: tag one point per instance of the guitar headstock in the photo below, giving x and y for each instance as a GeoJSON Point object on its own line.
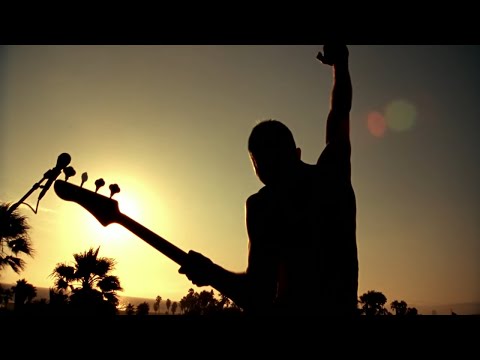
{"type": "Point", "coordinates": [105, 209]}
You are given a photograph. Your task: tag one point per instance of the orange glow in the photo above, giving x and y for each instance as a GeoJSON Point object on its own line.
{"type": "Point", "coordinates": [114, 232]}
{"type": "Point", "coordinates": [376, 124]}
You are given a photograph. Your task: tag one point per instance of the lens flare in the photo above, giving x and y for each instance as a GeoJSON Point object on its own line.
{"type": "Point", "coordinates": [376, 124]}
{"type": "Point", "coordinates": [400, 115]}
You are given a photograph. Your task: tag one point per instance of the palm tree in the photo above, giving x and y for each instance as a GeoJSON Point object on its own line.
{"type": "Point", "coordinates": [156, 304]}
{"type": "Point", "coordinates": [174, 307]}
{"type": "Point", "coordinates": [24, 293]}
{"type": "Point", "coordinates": [168, 304]}
{"type": "Point", "coordinates": [88, 282]}
{"type": "Point", "coordinates": [14, 238]}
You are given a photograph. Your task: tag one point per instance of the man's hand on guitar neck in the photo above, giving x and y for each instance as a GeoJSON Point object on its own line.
{"type": "Point", "coordinates": [200, 270]}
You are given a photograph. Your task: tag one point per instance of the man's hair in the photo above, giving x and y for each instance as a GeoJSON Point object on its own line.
{"type": "Point", "coordinates": [269, 134]}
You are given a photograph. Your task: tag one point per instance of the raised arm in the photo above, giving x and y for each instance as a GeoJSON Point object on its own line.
{"type": "Point", "coordinates": [338, 121]}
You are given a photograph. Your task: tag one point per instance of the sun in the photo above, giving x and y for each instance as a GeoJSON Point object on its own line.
{"type": "Point", "coordinates": [116, 232]}
{"type": "Point", "coordinates": [133, 200]}
{"type": "Point", "coordinates": [85, 226]}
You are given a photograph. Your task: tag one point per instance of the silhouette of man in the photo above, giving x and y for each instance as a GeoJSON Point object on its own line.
{"type": "Point", "coordinates": [301, 224]}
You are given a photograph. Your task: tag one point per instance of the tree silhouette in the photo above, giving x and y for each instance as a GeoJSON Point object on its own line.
{"type": "Point", "coordinates": [411, 311]}
{"type": "Point", "coordinates": [24, 293]}
{"type": "Point", "coordinates": [205, 303]}
{"type": "Point", "coordinates": [168, 304]}
{"type": "Point", "coordinates": [174, 307]}
{"type": "Point", "coordinates": [224, 301]}
{"type": "Point", "coordinates": [156, 304]}
{"type": "Point", "coordinates": [14, 239]}
{"type": "Point", "coordinates": [87, 283]}
{"type": "Point", "coordinates": [58, 301]}
{"type": "Point", "coordinates": [143, 308]}
{"type": "Point", "coordinates": [130, 309]}
{"type": "Point", "coordinates": [399, 307]}
{"type": "Point", "coordinates": [373, 303]}
{"type": "Point", "coordinates": [5, 296]}
{"type": "Point", "coordinates": [190, 303]}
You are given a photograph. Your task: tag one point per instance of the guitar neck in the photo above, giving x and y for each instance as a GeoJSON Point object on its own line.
{"type": "Point", "coordinates": [159, 243]}
{"type": "Point", "coordinates": [106, 211]}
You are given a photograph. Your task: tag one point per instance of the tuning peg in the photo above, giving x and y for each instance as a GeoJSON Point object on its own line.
{"type": "Point", "coordinates": [99, 183]}
{"type": "Point", "coordinates": [84, 178]}
{"type": "Point", "coordinates": [69, 172]}
{"type": "Point", "coordinates": [114, 189]}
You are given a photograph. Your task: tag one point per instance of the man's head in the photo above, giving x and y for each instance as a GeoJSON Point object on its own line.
{"type": "Point", "coordinates": [273, 151]}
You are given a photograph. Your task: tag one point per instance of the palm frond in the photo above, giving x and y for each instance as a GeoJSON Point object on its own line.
{"type": "Point", "coordinates": [64, 271]}
{"type": "Point", "coordinates": [86, 264]}
{"type": "Point", "coordinates": [12, 224]}
{"type": "Point", "coordinates": [110, 283]}
{"type": "Point", "coordinates": [61, 284]}
{"type": "Point", "coordinates": [15, 263]}
{"type": "Point", "coordinates": [112, 298]}
{"type": "Point", "coordinates": [103, 266]}
{"type": "Point", "coordinates": [21, 244]}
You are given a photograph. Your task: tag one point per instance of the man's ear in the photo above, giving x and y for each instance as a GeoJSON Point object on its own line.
{"type": "Point", "coordinates": [299, 153]}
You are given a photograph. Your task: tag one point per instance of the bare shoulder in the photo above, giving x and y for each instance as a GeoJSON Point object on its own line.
{"type": "Point", "coordinates": [259, 200]}
{"type": "Point", "coordinates": [256, 198]}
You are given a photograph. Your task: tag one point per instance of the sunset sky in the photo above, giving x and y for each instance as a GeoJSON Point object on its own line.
{"type": "Point", "coordinates": [169, 125]}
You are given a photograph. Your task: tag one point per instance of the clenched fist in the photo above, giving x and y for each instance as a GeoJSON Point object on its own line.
{"type": "Point", "coordinates": [333, 54]}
